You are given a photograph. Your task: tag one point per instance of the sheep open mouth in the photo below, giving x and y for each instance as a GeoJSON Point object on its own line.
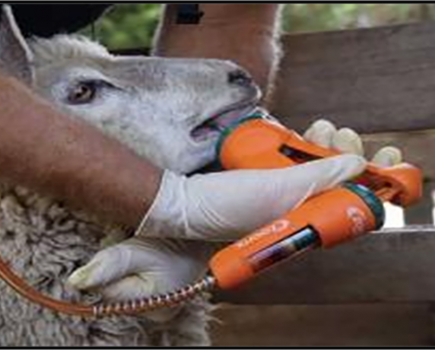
{"type": "Point", "coordinates": [219, 122]}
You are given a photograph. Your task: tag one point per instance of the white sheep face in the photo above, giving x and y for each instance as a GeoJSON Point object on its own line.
{"type": "Point", "coordinates": [156, 106]}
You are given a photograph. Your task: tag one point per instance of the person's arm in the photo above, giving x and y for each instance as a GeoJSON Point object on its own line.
{"type": "Point", "coordinates": [245, 33]}
{"type": "Point", "coordinates": [53, 154]}
{"type": "Point", "coordinates": [70, 160]}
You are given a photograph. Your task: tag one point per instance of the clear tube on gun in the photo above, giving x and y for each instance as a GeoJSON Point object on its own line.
{"type": "Point", "coordinates": [289, 247]}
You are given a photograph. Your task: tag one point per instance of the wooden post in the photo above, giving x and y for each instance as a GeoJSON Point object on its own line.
{"type": "Point", "coordinates": [421, 213]}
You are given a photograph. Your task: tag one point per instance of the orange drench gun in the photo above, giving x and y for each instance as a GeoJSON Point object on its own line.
{"type": "Point", "coordinates": [325, 220]}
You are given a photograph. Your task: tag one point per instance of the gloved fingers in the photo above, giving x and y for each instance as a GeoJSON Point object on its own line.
{"type": "Point", "coordinates": [324, 133]}
{"type": "Point", "coordinates": [321, 132]}
{"type": "Point", "coordinates": [151, 259]}
{"type": "Point", "coordinates": [113, 263]}
{"type": "Point", "coordinates": [148, 282]}
{"type": "Point", "coordinates": [387, 156]}
{"type": "Point", "coordinates": [347, 140]}
{"type": "Point", "coordinates": [142, 268]}
{"type": "Point", "coordinates": [241, 201]}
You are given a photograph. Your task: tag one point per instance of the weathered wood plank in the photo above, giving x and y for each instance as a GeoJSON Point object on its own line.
{"type": "Point", "coordinates": [421, 212]}
{"type": "Point", "coordinates": [392, 266]}
{"type": "Point", "coordinates": [374, 80]}
{"type": "Point", "coordinates": [368, 325]}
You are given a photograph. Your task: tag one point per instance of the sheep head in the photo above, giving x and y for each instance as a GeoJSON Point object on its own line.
{"type": "Point", "coordinates": [167, 110]}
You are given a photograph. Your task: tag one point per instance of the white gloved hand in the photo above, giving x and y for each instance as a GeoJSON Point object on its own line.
{"type": "Point", "coordinates": [141, 267]}
{"type": "Point", "coordinates": [213, 207]}
{"type": "Point", "coordinates": [224, 206]}
{"type": "Point", "coordinates": [346, 140]}
{"type": "Point", "coordinates": [227, 205]}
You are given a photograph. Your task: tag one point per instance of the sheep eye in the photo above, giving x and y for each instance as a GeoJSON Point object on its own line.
{"type": "Point", "coordinates": [84, 92]}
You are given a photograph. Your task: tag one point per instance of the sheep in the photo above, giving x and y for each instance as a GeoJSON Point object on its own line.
{"type": "Point", "coordinates": [156, 107]}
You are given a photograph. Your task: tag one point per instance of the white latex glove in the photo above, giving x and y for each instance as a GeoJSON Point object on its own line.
{"type": "Point", "coordinates": [217, 206]}
{"type": "Point", "coordinates": [227, 205]}
{"type": "Point", "coordinates": [346, 140]}
{"type": "Point", "coordinates": [140, 267]}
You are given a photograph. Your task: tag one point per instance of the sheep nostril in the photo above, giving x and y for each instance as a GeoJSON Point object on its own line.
{"type": "Point", "coordinates": [240, 78]}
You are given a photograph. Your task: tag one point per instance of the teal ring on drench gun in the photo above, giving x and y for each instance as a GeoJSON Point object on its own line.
{"type": "Point", "coordinates": [325, 220]}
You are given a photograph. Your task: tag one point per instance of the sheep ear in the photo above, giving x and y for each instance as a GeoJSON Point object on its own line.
{"type": "Point", "coordinates": [15, 55]}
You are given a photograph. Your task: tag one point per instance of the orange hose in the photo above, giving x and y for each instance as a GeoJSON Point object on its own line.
{"type": "Point", "coordinates": [28, 292]}
{"type": "Point", "coordinates": [120, 308]}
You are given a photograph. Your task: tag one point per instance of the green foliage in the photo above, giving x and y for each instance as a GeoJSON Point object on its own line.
{"type": "Point", "coordinates": [320, 17]}
{"type": "Point", "coordinates": [133, 25]}
{"type": "Point", "coordinates": [127, 26]}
